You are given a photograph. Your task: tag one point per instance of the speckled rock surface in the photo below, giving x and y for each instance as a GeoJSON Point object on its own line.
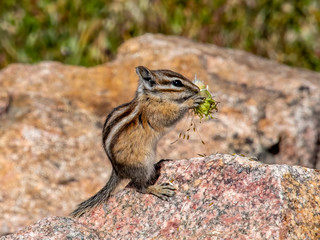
{"type": "Point", "coordinates": [218, 197]}
{"type": "Point", "coordinates": [55, 228]}
{"type": "Point", "coordinates": [51, 117]}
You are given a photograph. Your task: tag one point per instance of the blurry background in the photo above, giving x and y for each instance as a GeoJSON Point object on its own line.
{"type": "Point", "coordinates": [89, 32]}
{"type": "Point", "coordinates": [51, 114]}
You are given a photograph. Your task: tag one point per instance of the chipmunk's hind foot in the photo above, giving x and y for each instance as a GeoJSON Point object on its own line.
{"type": "Point", "coordinates": [162, 191]}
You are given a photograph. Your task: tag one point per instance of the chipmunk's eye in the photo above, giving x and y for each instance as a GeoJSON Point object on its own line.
{"type": "Point", "coordinates": [177, 83]}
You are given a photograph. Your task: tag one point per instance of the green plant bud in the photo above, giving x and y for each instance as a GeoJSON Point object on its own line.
{"type": "Point", "coordinates": [205, 109]}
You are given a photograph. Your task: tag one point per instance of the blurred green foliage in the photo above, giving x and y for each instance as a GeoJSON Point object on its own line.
{"type": "Point", "coordinates": [89, 32]}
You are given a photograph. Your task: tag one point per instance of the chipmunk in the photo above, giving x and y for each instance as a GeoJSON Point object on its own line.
{"type": "Point", "coordinates": [132, 130]}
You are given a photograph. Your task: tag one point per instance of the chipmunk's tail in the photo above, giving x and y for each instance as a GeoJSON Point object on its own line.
{"type": "Point", "coordinates": [98, 198]}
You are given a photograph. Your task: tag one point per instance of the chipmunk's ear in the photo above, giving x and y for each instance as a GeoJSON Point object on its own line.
{"type": "Point", "coordinates": [146, 76]}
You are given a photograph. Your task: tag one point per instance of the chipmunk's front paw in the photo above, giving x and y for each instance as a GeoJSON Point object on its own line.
{"type": "Point", "coordinates": [194, 101]}
{"type": "Point", "coordinates": [197, 100]}
{"type": "Point", "coordinates": [162, 191]}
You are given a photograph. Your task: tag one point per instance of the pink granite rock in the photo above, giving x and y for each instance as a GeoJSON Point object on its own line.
{"type": "Point", "coordinates": [4, 101]}
{"type": "Point", "coordinates": [218, 197]}
{"type": "Point", "coordinates": [55, 228]}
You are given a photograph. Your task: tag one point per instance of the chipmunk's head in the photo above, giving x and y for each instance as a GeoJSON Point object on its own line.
{"type": "Point", "coordinates": [165, 84]}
